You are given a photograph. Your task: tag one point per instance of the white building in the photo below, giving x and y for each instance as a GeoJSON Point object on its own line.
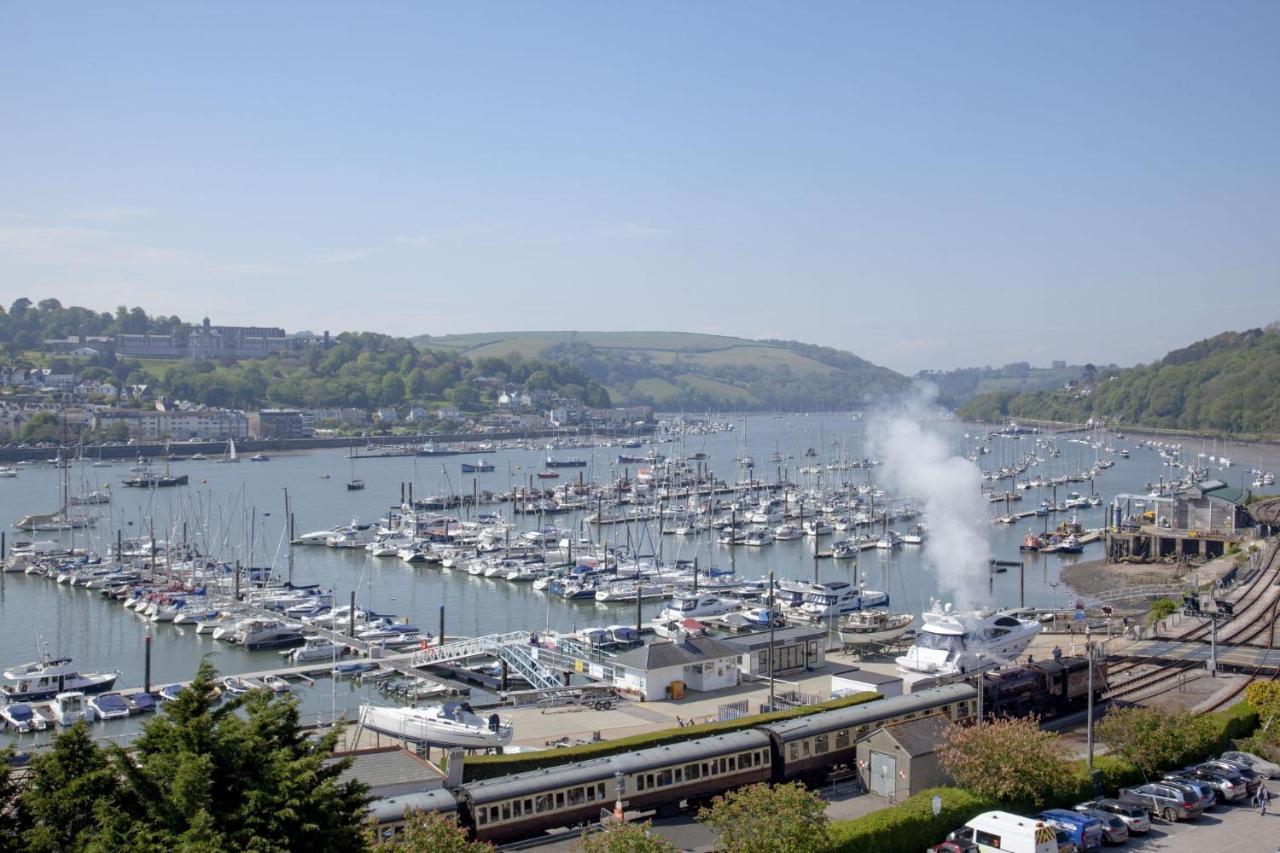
{"type": "Point", "coordinates": [700, 663]}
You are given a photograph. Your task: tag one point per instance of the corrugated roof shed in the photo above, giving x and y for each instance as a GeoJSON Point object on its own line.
{"type": "Point", "coordinates": [689, 650]}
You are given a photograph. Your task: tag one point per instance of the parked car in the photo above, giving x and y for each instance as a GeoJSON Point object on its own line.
{"type": "Point", "coordinates": [1171, 802]}
{"type": "Point", "coordinates": [1084, 830]}
{"type": "Point", "coordinates": [1114, 830]}
{"type": "Point", "coordinates": [1135, 817]}
{"type": "Point", "coordinates": [1208, 799]}
{"type": "Point", "coordinates": [956, 847]}
{"type": "Point", "coordinates": [1264, 768]}
{"type": "Point", "coordinates": [1227, 785]}
{"type": "Point", "coordinates": [1252, 779]}
{"type": "Point", "coordinates": [1010, 832]}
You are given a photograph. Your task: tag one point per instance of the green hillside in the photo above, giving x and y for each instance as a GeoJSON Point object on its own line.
{"type": "Point", "coordinates": [691, 370]}
{"type": "Point", "coordinates": [1228, 384]}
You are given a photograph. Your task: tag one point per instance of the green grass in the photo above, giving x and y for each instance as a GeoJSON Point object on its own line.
{"type": "Point", "coordinates": [722, 391]}
{"type": "Point", "coordinates": [656, 388]}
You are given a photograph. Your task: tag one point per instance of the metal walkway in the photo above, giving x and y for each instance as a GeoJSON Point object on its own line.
{"type": "Point", "coordinates": [536, 665]}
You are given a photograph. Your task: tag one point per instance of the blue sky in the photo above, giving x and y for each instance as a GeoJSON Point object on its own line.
{"type": "Point", "coordinates": [924, 184]}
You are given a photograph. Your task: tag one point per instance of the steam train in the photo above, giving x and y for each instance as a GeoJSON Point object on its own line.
{"type": "Point", "coordinates": [1047, 688]}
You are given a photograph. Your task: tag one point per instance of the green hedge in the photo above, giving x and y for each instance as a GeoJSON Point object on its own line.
{"type": "Point", "coordinates": [488, 766]}
{"type": "Point", "coordinates": [910, 826]}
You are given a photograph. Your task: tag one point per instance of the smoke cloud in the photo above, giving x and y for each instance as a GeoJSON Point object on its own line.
{"type": "Point", "coordinates": [921, 466]}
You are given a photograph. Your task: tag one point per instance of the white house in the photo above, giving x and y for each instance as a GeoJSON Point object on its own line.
{"type": "Point", "coordinates": [701, 663]}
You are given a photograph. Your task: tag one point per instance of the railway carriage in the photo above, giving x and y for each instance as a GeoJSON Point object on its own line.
{"type": "Point", "coordinates": [659, 778]}
{"type": "Point", "coordinates": [392, 813]}
{"type": "Point", "coordinates": [807, 747]}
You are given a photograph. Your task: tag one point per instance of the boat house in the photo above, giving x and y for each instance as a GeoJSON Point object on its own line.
{"type": "Point", "coordinates": [794, 649]}
{"type": "Point", "coordinates": [1203, 520]}
{"type": "Point", "coordinates": [666, 669]}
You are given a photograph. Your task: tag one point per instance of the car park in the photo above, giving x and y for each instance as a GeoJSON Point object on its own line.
{"type": "Point", "coordinates": [1170, 802]}
{"type": "Point", "coordinates": [1135, 816]}
{"type": "Point", "coordinates": [1264, 768]}
{"type": "Point", "coordinates": [1084, 830]}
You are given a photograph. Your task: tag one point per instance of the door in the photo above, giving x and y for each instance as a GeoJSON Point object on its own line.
{"type": "Point", "coordinates": [884, 772]}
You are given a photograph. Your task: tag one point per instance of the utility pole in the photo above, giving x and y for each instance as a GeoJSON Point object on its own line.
{"type": "Point", "coordinates": [1088, 648]}
{"type": "Point", "coordinates": [773, 621]}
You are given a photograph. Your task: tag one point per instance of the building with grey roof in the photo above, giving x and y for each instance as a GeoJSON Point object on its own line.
{"type": "Point", "coordinates": [662, 669]}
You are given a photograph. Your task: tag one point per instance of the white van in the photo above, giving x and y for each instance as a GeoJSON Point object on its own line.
{"type": "Point", "coordinates": [1005, 832]}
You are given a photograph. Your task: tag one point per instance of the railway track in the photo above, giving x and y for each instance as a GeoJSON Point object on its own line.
{"type": "Point", "coordinates": [1245, 629]}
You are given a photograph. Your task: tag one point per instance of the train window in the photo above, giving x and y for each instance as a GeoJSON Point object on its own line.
{"type": "Point", "coordinates": [842, 739]}
{"type": "Point", "coordinates": [482, 816]}
{"type": "Point", "coordinates": [515, 808]}
{"type": "Point", "coordinates": [724, 765]}
{"type": "Point", "coordinates": [640, 782]}
{"type": "Point", "coordinates": [648, 778]}
{"type": "Point", "coordinates": [591, 793]}
{"type": "Point", "coordinates": [820, 744]}
{"type": "Point", "coordinates": [575, 796]}
{"type": "Point", "coordinates": [804, 747]}
{"type": "Point", "coordinates": [528, 806]}
{"type": "Point", "coordinates": [664, 777]}
{"type": "Point", "coordinates": [707, 770]}
{"type": "Point", "coordinates": [543, 803]}
{"type": "Point", "coordinates": [691, 772]}
{"type": "Point", "coordinates": [506, 811]}
{"type": "Point", "coordinates": [559, 800]}
{"type": "Point", "coordinates": [600, 790]}
{"type": "Point", "coordinates": [733, 763]}
{"type": "Point", "coordinates": [679, 775]}
{"type": "Point", "coordinates": [795, 751]}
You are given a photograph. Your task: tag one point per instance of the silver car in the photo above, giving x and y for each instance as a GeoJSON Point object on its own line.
{"type": "Point", "coordinates": [1135, 817]}
{"type": "Point", "coordinates": [1264, 768]}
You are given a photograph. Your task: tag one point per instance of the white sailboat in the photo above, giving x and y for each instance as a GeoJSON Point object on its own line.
{"type": "Point", "coordinates": [231, 452]}
{"type": "Point", "coordinates": [451, 724]}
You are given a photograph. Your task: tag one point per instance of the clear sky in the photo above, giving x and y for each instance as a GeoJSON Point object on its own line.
{"type": "Point", "coordinates": [924, 184]}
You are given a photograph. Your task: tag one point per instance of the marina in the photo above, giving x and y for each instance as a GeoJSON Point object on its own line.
{"type": "Point", "coordinates": [544, 553]}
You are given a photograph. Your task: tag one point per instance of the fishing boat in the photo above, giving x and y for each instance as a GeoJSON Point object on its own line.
{"type": "Point", "coordinates": [1031, 542]}
{"type": "Point", "coordinates": [451, 724]}
{"type": "Point", "coordinates": [548, 475]}
{"type": "Point", "coordinates": [47, 677]}
{"type": "Point", "coordinates": [873, 627]}
{"type": "Point", "coordinates": [480, 466]}
{"type": "Point", "coordinates": [553, 462]}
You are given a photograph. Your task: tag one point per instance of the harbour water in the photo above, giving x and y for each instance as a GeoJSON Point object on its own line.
{"type": "Point", "coordinates": [223, 502]}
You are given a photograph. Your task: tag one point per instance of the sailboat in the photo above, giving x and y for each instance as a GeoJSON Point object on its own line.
{"type": "Point", "coordinates": [355, 484]}
{"type": "Point", "coordinates": [231, 452]}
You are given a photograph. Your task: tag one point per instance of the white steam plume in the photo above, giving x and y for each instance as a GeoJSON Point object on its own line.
{"type": "Point", "coordinates": [921, 465]}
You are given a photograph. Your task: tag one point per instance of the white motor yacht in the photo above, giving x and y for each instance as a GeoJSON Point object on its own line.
{"type": "Point", "coordinates": [315, 647]}
{"type": "Point", "coordinates": [952, 642]}
{"type": "Point", "coordinates": [838, 598]}
{"type": "Point", "coordinates": [47, 677]}
{"type": "Point", "coordinates": [451, 724]}
{"type": "Point", "coordinates": [696, 605]}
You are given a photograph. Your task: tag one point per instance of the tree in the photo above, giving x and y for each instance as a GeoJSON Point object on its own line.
{"type": "Point", "coordinates": [11, 816]}
{"type": "Point", "coordinates": [42, 426]}
{"type": "Point", "coordinates": [1265, 697]}
{"type": "Point", "coordinates": [769, 819]}
{"type": "Point", "coordinates": [1161, 608]}
{"type": "Point", "coordinates": [240, 776]}
{"type": "Point", "coordinates": [429, 832]}
{"type": "Point", "coordinates": [1155, 738]}
{"type": "Point", "coordinates": [626, 838]}
{"type": "Point", "coordinates": [979, 756]}
{"type": "Point", "coordinates": [68, 785]}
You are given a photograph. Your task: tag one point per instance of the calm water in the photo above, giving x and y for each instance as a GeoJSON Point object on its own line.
{"type": "Point", "coordinates": [224, 501]}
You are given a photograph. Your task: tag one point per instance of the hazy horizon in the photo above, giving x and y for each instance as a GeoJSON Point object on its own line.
{"type": "Point", "coordinates": [924, 185]}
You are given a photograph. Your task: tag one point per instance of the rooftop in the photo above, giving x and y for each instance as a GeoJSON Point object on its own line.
{"type": "Point", "coordinates": [688, 651]}
{"type": "Point", "coordinates": [392, 765]}
{"type": "Point", "coordinates": [919, 737]}
{"type": "Point", "coordinates": [760, 639]}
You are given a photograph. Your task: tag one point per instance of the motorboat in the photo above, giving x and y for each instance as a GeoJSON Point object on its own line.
{"type": "Point", "coordinates": [1031, 542]}
{"type": "Point", "coordinates": [170, 692]}
{"type": "Point", "coordinates": [47, 677]}
{"type": "Point", "coordinates": [889, 540]}
{"type": "Point", "coordinates": [915, 535]}
{"type": "Point", "coordinates": [838, 598]}
{"type": "Point", "coordinates": [275, 684]}
{"type": "Point", "coordinates": [354, 535]}
{"type": "Point", "coordinates": [315, 647]}
{"type": "Point", "coordinates": [757, 538]}
{"type": "Point", "coordinates": [315, 537]}
{"type": "Point", "coordinates": [69, 708]}
{"type": "Point", "coordinates": [874, 627]}
{"type": "Point", "coordinates": [952, 642]}
{"type": "Point", "coordinates": [451, 724]}
{"type": "Point", "coordinates": [21, 716]}
{"type": "Point", "coordinates": [818, 527]}
{"type": "Point", "coordinates": [109, 706]}
{"type": "Point", "coordinates": [236, 686]}
{"type": "Point", "coordinates": [480, 466]}
{"type": "Point", "coordinates": [691, 605]}
{"type": "Point", "coordinates": [787, 532]}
